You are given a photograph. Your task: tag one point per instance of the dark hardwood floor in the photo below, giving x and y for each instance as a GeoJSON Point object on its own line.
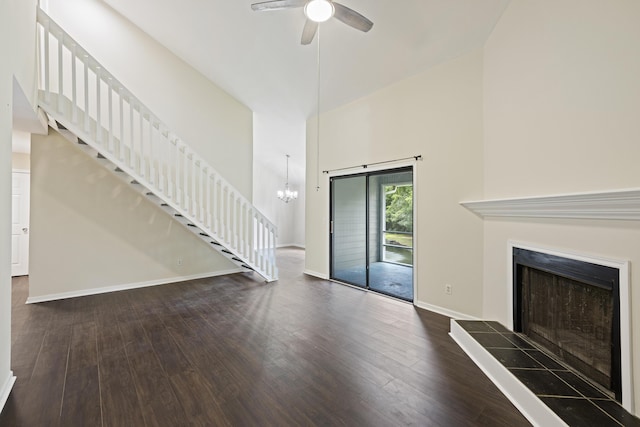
{"type": "Point", "coordinates": [235, 351]}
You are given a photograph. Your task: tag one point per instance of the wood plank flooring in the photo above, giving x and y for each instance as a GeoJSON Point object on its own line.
{"type": "Point", "coordinates": [234, 351]}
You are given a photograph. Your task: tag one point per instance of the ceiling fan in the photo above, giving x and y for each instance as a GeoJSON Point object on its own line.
{"type": "Point", "coordinates": [317, 11]}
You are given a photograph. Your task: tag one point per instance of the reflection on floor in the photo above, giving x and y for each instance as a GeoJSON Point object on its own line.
{"type": "Point", "coordinates": [390, 279]}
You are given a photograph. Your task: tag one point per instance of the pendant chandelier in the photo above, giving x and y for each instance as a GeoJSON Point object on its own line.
{"type": "Point", "coordinates": [287, 194]}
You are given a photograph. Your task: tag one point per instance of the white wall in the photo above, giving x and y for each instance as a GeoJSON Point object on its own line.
{"type": "Point", "coordinates": [22, 17]}
{"type": "Point", "coordinates": [274, 138]}
{"type": "Point", "coordinates": [17, 37]}
{"type": "Point", "coordinates": [5, 210]}
{"type": "Point", "coordinates": [437, 114]}
{"type": "Point", "coordinates": [213, 123]}
{"type": "Point", "coordinates": [561, 108]}
{"type": "Point", "coordinates": [20, 161]}
{"type": "Point", "coordinates": [91, 230]}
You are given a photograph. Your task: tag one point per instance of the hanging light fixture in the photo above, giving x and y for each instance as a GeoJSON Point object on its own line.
{"type": "Point", "coordinates": [319, 10]}
{"type": "Point", "coordinates": [286, 195]}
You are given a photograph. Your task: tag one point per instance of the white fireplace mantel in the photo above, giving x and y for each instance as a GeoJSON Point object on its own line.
{"type": "Point", "coordinates": [608, 205]}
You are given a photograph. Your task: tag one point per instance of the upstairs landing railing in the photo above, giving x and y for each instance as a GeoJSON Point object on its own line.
{"type": "Point", "coordinates": [94, 105]}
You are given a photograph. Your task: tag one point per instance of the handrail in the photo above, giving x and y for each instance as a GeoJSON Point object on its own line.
{"type": "Point", "coordinates": [99, 108]}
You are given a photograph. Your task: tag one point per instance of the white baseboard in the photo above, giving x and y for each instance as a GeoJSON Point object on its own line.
{"type": "Point", "coordinates": [290, 245]}
{"type": "Point", "coordinates": [444, 311]}
{"type": "Point", "coordinates": [522, 398]}
{"type": "Point", "coordinates": [316, 274]}
{"type": "Point", "coordinates": [6, 389]}
{"type": "Point", "coordinates": [127, 286]}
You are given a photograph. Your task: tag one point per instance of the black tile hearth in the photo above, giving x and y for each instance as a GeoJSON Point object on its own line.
{"type": "Point", "coordinates": [614, 410]}
{"type": "Point", "coordinates": [519, 342]}
{"type": "Point", "coordinates": [544, 383]}
{"type": "Point", "coordinates": [545, 360]}
{"type": "Point", "coordinates": [586, 389]}
{"type": "Point", "coordinates": [514, 358]}
{"type": "Point", "coordinates": [475, 326]}
{"type": "Point", "coordinates": [573, 399]}
{"type": "Point", "coordinates": [492, 340]}
{"type": "Point", "coordinates": [579, 412]}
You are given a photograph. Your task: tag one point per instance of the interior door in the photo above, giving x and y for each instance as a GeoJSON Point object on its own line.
{"type": "Point", "coordinates": [20, 224]}
{"type": "Point", "coordinates": [349, 229]}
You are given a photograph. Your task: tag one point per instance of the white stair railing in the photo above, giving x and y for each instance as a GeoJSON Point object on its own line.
{"type": "Point", "coordinates": [93, 104]}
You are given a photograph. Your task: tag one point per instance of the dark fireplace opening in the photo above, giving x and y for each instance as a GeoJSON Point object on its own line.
{"type": "Point", "coordinates": [571, 308]}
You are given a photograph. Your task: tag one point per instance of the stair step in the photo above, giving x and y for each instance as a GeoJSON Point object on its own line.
{"type": "Point", "coordinates": [134, 182]}
{"type": "Point", "coordinates": [236, 259]}
{"type": "Point", "coordinates": [178, 214]}
{"type": "Point", "coordinates": [246, 266]}
{"type": "Point", "coordinates": [164, 204]}
{"type": "Point", "coordinates": [215, 243]}
{"type": "Point", "coordinates": [81, 142]}
{"type": "Point", "coordinates": [191, 225]}
{"type": "Point", "coordinates": [204, 234]}
{"type": "Point", "coordinates": [227, 252]}
{"type": "Point", "coordinates": [61, 126]}
{"type": "Point", "coordinates": [100, 156]}
{"type": "Point", "coordinates": [118, 170]}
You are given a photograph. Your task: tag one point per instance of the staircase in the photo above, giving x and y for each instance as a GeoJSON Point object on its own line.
{"type": "Point", "coordinates": [90, 107]}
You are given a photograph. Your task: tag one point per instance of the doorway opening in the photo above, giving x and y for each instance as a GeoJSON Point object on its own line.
{"type": "Point", "coordinates": [371, 233]}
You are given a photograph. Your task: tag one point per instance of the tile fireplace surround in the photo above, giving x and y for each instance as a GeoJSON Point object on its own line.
{"type": "Point", "coordinates": [546, 391]}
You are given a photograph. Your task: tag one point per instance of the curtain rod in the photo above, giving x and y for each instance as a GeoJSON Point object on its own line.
{"type": "Point", "coordinates": [416, 158]}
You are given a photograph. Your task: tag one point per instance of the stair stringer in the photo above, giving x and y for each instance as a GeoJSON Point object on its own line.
{"type": "Point", "coordinates": [59, 110]}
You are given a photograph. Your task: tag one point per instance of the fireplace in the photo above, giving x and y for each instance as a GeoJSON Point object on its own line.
{"type": "Point", "coordinates": [571, 307]}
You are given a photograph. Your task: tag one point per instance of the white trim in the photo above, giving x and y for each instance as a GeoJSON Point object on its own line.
{"type": "Point", "coordinates": [444, 311]}
{"type": "Point", "coordinates": [522, 398]}
{"type": "Point", "coordinates": [613, 205]}
{"type": "Point", "coordinates": [289, 245]}
{"type": "Point", "coordinates": [414, 243]}
{"type": "Point", "coordinates": [626, 348]}
{"type": "Point", "coordinates": [127, 286]}
{"type": "Point", "coordinates": [21, 171]}
{"type": "Point", "coordinates": [6, 389]}
{"type": "Point", "coordinates": [316, 274]}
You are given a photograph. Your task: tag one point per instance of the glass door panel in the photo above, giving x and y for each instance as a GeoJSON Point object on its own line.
{"type": "Point", "coordinates": [391, 224]}
{"type": "Point", "coordinates": [349, 228]}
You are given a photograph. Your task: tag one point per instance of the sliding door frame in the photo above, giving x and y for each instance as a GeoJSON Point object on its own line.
{"type": "Point", "coordinates": [374, 170]}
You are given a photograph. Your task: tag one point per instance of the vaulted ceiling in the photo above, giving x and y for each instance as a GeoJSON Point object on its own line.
{"type": "Point", "coordinates": [257, 56]}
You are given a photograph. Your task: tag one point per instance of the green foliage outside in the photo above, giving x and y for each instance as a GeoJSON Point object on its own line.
{"type": "Point", "coordinates": [399, 206]}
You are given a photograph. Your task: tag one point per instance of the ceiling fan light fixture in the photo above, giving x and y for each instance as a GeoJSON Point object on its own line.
{"type": "Point", "coordinates": [319, 10]}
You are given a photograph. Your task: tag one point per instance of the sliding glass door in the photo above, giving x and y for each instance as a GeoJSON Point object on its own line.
{"type": "Point", "coordinates": [349, 228]}
{"type": "Point", "coordinates": [372, 231]}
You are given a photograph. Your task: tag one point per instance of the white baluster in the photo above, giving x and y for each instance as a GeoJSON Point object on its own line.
{"type": "Point", "coordinates": [74, 89]}
{"type": "Point", "coordinates": [130, 160]}
{"type": "Point", "coordinates": [47, 63]}
{"type": "Point", "coordinates": [85, 62]}
{"type": "Point", "coordinates": [110, 111]}
{"type": "Point", "coordinates": [60, 73]}
{"type": "Point", "coordinates": [119, 150]}
{"type": "Point", "coordinates": [98, 132]}
{"type": "Point", "coordinates": [215, 208]}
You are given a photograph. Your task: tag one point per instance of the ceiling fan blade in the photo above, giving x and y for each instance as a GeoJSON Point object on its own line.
{"type": "Point", "coordinates": [309, 31]}
{"type": "Point", "coordinates": [278, 4]}
{"type": "Point", "coordinates": [351, 18]}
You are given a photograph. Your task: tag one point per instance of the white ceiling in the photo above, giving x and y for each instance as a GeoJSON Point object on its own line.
{"type": "Point", "coordinates": [258, 59]}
